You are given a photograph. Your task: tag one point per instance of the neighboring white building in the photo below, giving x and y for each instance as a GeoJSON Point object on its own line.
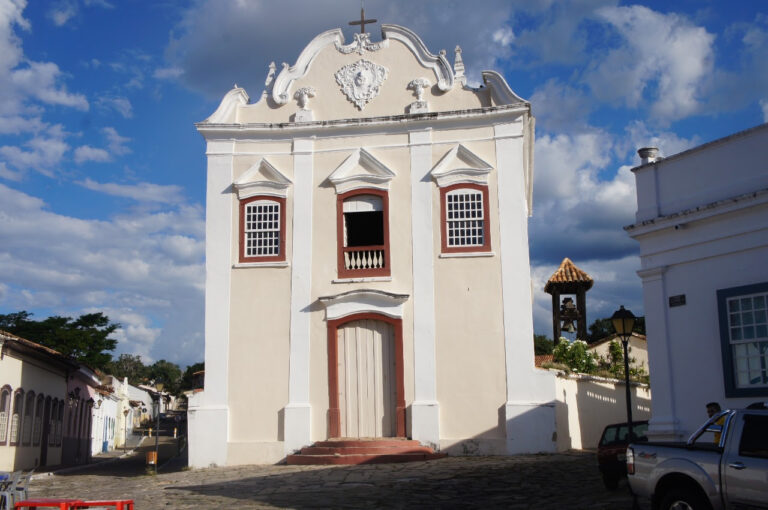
{"type": "Point", "coordinates": [104, 430]}
{"type": "Point", "coordinates": [637, 346]}
{"type": "Point", "coordinates": [702, 225]}
{"type": "Point", "coordinates": [367, 229]}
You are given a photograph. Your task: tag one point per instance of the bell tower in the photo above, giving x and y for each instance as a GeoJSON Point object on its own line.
{"type": "Point", "coordinates": [569, 279]}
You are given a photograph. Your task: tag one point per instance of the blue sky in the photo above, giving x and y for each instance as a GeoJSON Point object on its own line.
{"type": "Point", "coordinates": [102, 174]}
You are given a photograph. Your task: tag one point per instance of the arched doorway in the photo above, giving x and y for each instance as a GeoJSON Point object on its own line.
{"type": "Point", "coordinates": [365, 376]}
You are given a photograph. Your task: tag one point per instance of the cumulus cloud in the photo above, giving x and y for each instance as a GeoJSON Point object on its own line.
{"type": "Point", "coordinates": [560, 107]}
{"type": "Point", "coordinates": [116, 143]}
{"type": "Point", "coordinates": [61, 12]}
{"type": "Point", "coordinates": [144, 269]}
{"type": "Point", "coordinates": [41, 153]}
{"type": "Point", "coordinates": [661, 58]}
{"type": "Point", "coordinates": [220, 42]}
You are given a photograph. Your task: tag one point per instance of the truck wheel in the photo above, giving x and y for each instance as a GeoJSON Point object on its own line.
{"type": "Point", "coordinates": [611, 481]}
{"type": "Point", "coordinates": [684, 499]}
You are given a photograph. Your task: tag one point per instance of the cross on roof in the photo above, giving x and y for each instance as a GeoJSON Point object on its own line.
{"type": "Point", "coordinates": [363, 21]}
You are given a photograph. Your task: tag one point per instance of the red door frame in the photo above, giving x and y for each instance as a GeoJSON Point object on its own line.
{"type": "Point", "coordinates": [334, 413]}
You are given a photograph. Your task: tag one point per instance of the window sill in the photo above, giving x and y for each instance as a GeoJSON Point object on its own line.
{"type": "Point", "coordinates": [467, 254]}
{"type": "Point", "coordinates": [277, 263]}
{"type": "Point", "coordinates": [363, 279]}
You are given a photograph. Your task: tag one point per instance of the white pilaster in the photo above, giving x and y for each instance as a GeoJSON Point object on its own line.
{"type": "Point", "coordinates": [298, 410]}
{"type": "Point", "coordinates": [209, 411]}
{"type": "Point", "coordinates": [529, 411]}
{"type": "Point", "coordinates": [664, 424]}
{"type": "Point", "coordinates": [425, 410]}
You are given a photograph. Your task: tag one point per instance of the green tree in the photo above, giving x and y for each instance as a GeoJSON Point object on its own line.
{"type": "Point", "coordinates": [603, 328]}
{"type": "Point", "coordinates": [167, 373]}
{"type": "Point", "coordinates": [575, 355]}
{"type": "Point", "coordinates": [130, 366]}
{"type": "Point", "coordinates": [188, 379]}
{"type": "Point", "coordinates": [87, 338]}
{"type": "Point", "coordinates": [542, 345]}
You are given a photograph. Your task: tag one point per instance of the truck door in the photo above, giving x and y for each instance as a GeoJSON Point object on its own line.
{"type": "Point", "coordinates": [745, 462]}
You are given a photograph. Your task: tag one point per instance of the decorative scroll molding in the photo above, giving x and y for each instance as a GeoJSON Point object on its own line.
{"type": "Point", "coordinates": [361, 170]}
{"type": "Point", "coordinates": [460, 165]}
{"type": "Point", "coordinates": [363, 301]}
{"type": "Point", "coordinates": [362, 44]}
{"type": "Point", "coordinates": [262, 179]}
{"type": "Point", "coordinates": [438, 63]}
{"type": "Point", "coordinates": [501, 93]}
{"type": "Point", "coordinates": [361, 81]}
{"type": "Point", "coordinates": [282, 84]}
{"type": "Point", "coordinates": [226, 113]}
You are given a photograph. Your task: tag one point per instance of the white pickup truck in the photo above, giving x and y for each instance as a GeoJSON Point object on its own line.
{"type": "Point", "coordinates": [719, 467]}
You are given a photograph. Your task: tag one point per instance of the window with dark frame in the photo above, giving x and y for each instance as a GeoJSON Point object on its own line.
{"type": "Point", "coordinates": [363, 233]}
{"type": "Point", "coordinates": [743, 315]}
{"type": "Point", "coordinates": [5, 412]}
{"type": "Point", "coordinates": [262, 229]}
{"type": "Point", "coordinates": [465, 218]}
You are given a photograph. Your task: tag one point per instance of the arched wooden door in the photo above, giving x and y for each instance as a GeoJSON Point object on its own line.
{"type": "Point", "coordinates": [365, 362]}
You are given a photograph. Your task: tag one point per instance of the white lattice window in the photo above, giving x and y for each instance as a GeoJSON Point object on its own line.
{"type": "Point", "coordinates": [465, 218]}
{"type": "Point", "coordinates": [262, 229]}
{"type": "Point", "coordinates": [748, 332]}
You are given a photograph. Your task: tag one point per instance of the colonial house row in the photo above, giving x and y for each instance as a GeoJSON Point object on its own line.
{"type": "Point", "coordinates": [367, 259]}
{"type": "Point", "coordinates": [702, 225]}
{"type": "Point", "coordinates": [55, 411]}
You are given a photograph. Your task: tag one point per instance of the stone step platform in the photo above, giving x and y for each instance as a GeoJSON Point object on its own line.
{"type": "Point", "coordinates": [345, 451]}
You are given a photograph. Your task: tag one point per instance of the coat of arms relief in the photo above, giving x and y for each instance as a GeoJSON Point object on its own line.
{"type": "Point", "coordinates": [361, 81]}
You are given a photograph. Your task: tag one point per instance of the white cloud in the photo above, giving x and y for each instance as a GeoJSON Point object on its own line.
{"type": "Point", "coordinates": [86, 153]}
{"type": "Point", "coordinates": [116, 143]}
{"type": "Point", "coordinates": [43, 152]}
{"type": "Point", "coordinates": [143, 269]}
{"type": "Point", "coordinates": [764, 107]}
{"type": "Point", "coordinates": [560, 107]}
{"type": "Point", "coordinates": [662, 58]}
{"type": "Point", "coordinates": [62, 12]}
{"type": "Point", "coordinates": [167, 73]}
{"type": "Point", "coordinates": [141, 192]}
{"type": "Point", "coordinates": [121, 105]}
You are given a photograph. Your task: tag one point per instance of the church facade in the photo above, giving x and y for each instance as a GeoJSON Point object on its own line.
{"type": "Point", "coordinates": [367, 268]}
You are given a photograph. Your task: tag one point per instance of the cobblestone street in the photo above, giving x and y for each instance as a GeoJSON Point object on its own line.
{"type": "Point", "coordinates": [560, 481]}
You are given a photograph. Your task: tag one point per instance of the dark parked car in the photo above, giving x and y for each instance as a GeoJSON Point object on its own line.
{"type": "Point", "coordinates": [612, 450]}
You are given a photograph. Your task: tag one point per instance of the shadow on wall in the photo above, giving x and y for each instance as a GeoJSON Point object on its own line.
{"type": "Point", "coordinates": [585, 405]}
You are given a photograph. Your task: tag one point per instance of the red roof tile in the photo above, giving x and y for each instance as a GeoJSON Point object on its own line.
{"type": "Point", "coordinates": [567, 278]}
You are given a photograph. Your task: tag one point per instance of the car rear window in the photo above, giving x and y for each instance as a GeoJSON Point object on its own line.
{"type": "Point", "coordinates": [618, 434]}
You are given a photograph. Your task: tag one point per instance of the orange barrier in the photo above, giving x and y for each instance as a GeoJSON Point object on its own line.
{"type": "Point", "coordinates": [73, 504]}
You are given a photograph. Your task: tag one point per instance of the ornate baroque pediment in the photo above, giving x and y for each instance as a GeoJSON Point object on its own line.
{"type": "Point", "coordinates": [362, 44]}
{"type": "Point", "coordinates": [361, 81]}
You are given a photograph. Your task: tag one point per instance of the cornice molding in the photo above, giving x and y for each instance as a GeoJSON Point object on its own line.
{"type": "Point", "coordinates": [262, 179]}
{"type": "Point", "coordinates": [460, 165]}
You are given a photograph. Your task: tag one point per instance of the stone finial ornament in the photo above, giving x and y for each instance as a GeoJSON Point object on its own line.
{"type": "Point", "coordinates": [458, 67]}
{"type": "Point", "coordinates": [418, 85]}
{"type": "Point", "coordinates": [270, 74]}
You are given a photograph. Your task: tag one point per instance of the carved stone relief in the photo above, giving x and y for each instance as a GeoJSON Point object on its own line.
{"type": "Point", "coordinates": [302, 96]}
{"type": "Point", "coordinates": [361, 81]}
{"type": "Point", "coordinates": [418, 85]}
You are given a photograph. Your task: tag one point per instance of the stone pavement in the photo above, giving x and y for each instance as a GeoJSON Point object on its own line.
{"type": "Point", "coordinates": [557, 481]}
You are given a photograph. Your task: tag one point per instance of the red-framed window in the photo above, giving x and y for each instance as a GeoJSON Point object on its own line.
{"type": "Point", "coordinates": [18, 408]}
{"type": "Point", "coordinates": [464, 218]}
{"type": "Point", "coordinates": [262, 229]}
{"type": "Point", "coordinates": [5, 412]}
{"type": "Point", "coordinates": [362, 232]}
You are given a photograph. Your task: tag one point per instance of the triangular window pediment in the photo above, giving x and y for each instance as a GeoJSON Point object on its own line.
{"type": "Point", "coordinates": [262, 179]}
{"type": "Point", "coordinates": [460, 165]}
{"type": "Point", "coordinates": [361, 170]}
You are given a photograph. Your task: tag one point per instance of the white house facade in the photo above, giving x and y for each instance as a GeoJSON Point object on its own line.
{"type": "Point", "coordinates": [367, 268]}
{"type": "Point", "coordinates": [702, 225]}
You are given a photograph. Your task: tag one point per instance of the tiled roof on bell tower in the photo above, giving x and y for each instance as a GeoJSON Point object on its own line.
{"type": "Point", "coordinates": [568, 278]}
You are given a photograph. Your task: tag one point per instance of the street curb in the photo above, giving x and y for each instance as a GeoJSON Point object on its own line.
{"type": "Point", "coordinates": [73, 469]}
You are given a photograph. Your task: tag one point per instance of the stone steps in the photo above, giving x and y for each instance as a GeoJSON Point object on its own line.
{"type": "Point", "coordinates": [363, 451]}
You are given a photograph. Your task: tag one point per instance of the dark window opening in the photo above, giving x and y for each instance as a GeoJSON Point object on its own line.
{"type": "Point", "coordinates": [364, 228]}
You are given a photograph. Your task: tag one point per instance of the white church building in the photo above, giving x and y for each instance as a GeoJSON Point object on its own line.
{"type": "Point", "coordinates": [367, 267]}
